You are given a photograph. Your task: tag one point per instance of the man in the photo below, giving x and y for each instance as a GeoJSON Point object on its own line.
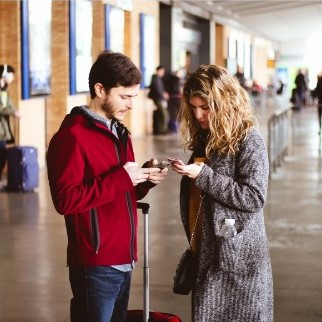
{"type": "Point", "coordinates": [7, 109]}
{"type": "Point", "coordinates": [174, 89]}
{"type": "Point", "coordinates": [95, 182]}
{"type": "Point", "coordinates": [159, 96]}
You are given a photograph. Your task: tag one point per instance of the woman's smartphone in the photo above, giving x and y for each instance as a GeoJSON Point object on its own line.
{"type": "Point", "coordinates": [174, 161]}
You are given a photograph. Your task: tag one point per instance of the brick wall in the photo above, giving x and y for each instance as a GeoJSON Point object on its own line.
{"type": "Point", "coordinates": [57, 101]}
{"type": "Point", "coordinates": [54, 107]}
{"type": "Point", "coordinates": [219, 57]}
{"type": "Point", "coordinates": [98, 28]}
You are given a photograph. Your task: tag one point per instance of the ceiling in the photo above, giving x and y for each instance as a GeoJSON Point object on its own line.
{"type": "Point", "coordinates": [277, 20]}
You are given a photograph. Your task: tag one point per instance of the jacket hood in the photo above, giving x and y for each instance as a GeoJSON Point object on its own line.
{"type": "Point", "coordinates": [81, 114]}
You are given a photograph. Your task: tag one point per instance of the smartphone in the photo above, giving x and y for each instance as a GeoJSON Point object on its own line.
{"type": "Point", "coordinates": [162, 165]}
{"type": "Point", "coordinates": [175, 160]}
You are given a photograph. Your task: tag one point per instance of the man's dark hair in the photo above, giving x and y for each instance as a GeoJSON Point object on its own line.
{"type": "Point", "coordinates": [160, 67]}
{"type": "Point", "coordinates": [113, 70]}
{"type": "Point", "coordinates": [9, 68]}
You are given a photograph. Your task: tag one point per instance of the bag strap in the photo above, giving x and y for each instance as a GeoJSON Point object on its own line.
{"type": "Point", "coordinates": [202, 196]}
{"type": "Point", "coordinates": [12, 138]}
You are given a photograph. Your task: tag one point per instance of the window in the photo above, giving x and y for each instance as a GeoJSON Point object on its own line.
{"type": "Point", "coordinates": [114, 29]}
{"type": "Point", "coordinates": [80, 46]}
{"type": "Point", "coordinates": [147, 47]}
{"type": "Point", "coordinates": [36, 47]}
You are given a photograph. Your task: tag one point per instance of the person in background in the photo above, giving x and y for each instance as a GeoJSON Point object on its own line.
{"type": "Point", "coordinates": [7, 109]}
{"type": "Point", "coordinates": [256, 88]}
{"type": "Point", "coordinates": [229, 169]}
{"type": "Point", "coordinates": [307, 95]}
{"type": "Point", "coordinates": [174, 89]}
{"type": "Point", "coordinates": [95, 183]}
{"type": "Point", "coordinates": [280, 88]}
{"type": "Point", "coordinates": [300, 89]}
{"type": "Point", "coordinates": [317, 94]}
{"type": "Point", "coordinates": [256, 91]}
{"type": "Point", "coordinates": [160, 98]}
{"type": "Point", "coordinates": [240, 76]}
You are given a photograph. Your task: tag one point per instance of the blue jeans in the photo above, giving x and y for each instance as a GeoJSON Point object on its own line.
{"type": "Point", "coordinates": [101, 294]}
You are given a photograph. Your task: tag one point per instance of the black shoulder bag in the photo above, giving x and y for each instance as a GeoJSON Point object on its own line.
{"type": "Point", "coordinates": [186, 272]}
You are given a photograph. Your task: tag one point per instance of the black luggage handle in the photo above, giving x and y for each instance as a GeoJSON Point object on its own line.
{"type": "Point", "coordinates": [144, 206]}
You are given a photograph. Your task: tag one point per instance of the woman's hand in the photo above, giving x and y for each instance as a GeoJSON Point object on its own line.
{"type": "Point", "coordinates": [191, 170]}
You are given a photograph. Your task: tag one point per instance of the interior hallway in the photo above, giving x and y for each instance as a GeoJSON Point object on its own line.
{"type": "Point", "coordinates": [34, 283]}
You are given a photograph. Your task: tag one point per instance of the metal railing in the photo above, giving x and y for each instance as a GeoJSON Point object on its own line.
{"type": "Point", "coordinates": [278, 138]}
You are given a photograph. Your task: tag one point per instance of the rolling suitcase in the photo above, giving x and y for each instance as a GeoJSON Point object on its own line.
{"type": "Point", "coordinates": [23, 169]}
{"type": "Point", "coordinates": [145, 315]}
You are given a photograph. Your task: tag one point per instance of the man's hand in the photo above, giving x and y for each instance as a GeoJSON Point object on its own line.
{"type": "Point", "coordinates": [156, 177]}
{"type": "Point", "coordinates": [139, 175]}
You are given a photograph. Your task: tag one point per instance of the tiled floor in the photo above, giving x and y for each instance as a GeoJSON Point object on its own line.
{"type": "Point", "coordinates": [34, 285]}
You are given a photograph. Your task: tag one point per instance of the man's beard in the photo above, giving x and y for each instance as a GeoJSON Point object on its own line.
{"type": "Point", "coordinates": [107, 108]}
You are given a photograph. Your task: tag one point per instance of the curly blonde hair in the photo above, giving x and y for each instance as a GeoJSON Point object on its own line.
{"type": "Point", "coordinates": [231, 115]}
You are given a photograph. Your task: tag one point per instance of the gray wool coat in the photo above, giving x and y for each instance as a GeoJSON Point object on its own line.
{"type": "Point", "coordinates": [234, 282]}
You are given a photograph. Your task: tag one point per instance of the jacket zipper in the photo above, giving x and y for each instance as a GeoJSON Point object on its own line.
{"type": "Point", "coordinates": [128, 201]}
{"type": "Point", "coordinates": [131, 216]}
{"type": "Point", "coordinates": [96, 240]}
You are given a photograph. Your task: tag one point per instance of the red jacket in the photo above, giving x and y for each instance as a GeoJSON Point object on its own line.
{"type": "Point", "coordinates": [90, 187]}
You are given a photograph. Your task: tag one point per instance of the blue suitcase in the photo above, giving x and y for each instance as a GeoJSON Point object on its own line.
{"type": "Point", "coordinates": [23, 169]}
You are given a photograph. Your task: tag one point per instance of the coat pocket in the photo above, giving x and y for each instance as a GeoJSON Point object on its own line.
{"type": "Point", "coordinates": [230, 253]}
{"type": "Point", "coordinates": [241, 254]}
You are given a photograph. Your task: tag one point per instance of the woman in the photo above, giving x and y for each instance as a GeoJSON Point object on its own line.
{"type": "Point", "coordinates": [217, 123]}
